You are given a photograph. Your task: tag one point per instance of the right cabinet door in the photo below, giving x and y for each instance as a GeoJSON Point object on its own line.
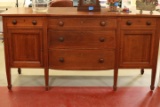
{"type": "Point", "coordinates": [136, 48]}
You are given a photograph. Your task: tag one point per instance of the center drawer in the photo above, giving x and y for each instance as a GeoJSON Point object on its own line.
{"type": "Point", "coordinates": [81, 59]}
{"type": "Point", "coordinates": [80, 39]}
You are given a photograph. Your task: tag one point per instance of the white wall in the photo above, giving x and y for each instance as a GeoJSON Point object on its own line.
{"type": "Point", "coordinates": [12, 3]}
{"type": "Point", "coordinates": [1, 28]}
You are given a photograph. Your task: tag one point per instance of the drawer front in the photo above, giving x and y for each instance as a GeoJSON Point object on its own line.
{"type": "Point", "coordinates": [24, 21]}
{"type": "Point", "coordinates": [82, 23]}
{"type": "Point", "coordinates": [138, 23]}
{"type": "Point", "coordinates": [77, 39]}
{"type": "Point", "coordinates": [81, 59]}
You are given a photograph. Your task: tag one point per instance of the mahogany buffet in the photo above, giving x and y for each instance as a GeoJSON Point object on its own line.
{"type": "Point", "coordinates": [64, 38]}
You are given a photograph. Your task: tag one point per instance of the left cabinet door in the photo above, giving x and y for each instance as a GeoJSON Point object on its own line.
{"type": "Point", "coordinates": [25, 47]}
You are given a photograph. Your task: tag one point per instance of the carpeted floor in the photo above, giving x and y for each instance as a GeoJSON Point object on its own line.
{"type": "Point", "coordinates": [79, 97]}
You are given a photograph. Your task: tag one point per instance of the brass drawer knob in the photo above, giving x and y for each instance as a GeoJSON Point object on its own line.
{"type": "Point", "coordinates": [101, 60]}
{"type": "Point", "coordinates": [14, 22]}
{"type": "Point", "coordinates": [129, 23]}
{"type": "Point", "coordinates": [61, 39]}
{"type": "Point", "coordinates": [34, 22]}
{"type": "Point", "coordinates": [101, 39]}
{"type": "Point", "coordinates": [102, 23]}
{"type": "Point", "coordinates": [148, 23]}
{"type": "Point", "coordinates": [61, 23]}
{"type": "Point", "coordinates": [61, 60]}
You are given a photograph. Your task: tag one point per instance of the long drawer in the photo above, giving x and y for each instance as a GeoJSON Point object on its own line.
{"type": "Point", "coordinates": [80, 39]}
{"type": "Point", "coordinates": [81, 59]}
{"type": "Point", "coordinates": [82, 23]}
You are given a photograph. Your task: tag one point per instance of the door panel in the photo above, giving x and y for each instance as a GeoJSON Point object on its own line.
{"type": "Point", "coordinates": [26, 48]}
{"type": "Point", "coordinates": [136, 48]}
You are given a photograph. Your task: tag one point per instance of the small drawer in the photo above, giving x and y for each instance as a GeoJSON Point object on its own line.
{"type": "Point", "coordinates": [138, 23]}
{"type": "Point", "coordinates": [80, 39]}
{"type": "Point", "coordinates": [82, 23]}
{"type": "Point", "coordinates": [24, 21]}
{"type": "Point", "coordinates": [81, 59]}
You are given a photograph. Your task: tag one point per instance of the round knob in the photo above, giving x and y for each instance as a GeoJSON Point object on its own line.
{"type": "Point", "coordinates": [61, 23]}
{"type": "Point", "coordinates": [148, 23]}
{"type": "Point", "coordinates": [101, 39]}
{"type": "Point", "coordinates": [61, 39]}
{"type": "Point", "coordinates": [34, 22]}
{"type": "Point", "coordinates": [61, 60]}
{"type": "Point", "coordinates": [101, 60]}
{"type": "Point", "coordinates": [129, 23]}
{"type": "Point", "coordinates": [102, 23]}
{"type": "Point", "coordinates": [14, 22]}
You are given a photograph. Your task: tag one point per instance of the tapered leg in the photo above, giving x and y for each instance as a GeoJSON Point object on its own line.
{"type": "Point", "coordinates": [19, 70]}
{"type": "Point", "coordinates": [115, 79]}
{"type": "Point", "coordinates": [153, 76]}
{"type": "Point", "coordinates": [142, 71]}
{"type": "Point", "coordinates": [46, 78]}
{"type": "Point", "coordinates": [8, 73]}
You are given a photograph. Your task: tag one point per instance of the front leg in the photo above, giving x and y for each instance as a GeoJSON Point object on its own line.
{"type": "Point", "coordinates": [46, 72]}
{"type": "Point", "coordinates": [8, 74]}
{"type": "Point", "coordinates": [153, 76]}
{"type": "Point", "coordinates": [115, 79]}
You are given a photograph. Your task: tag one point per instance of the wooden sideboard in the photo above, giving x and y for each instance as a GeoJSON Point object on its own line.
{"type": "Point", "coordinates": [64, 38]}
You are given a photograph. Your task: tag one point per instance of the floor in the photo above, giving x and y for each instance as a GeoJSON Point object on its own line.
{"type": "Point", "coordinates": [79, 97]}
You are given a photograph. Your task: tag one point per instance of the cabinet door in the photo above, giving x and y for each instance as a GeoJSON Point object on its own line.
{"type": "Point", "coordinates": [25, 47]}
{"type": "Point", "coordinates": [136, 48]}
